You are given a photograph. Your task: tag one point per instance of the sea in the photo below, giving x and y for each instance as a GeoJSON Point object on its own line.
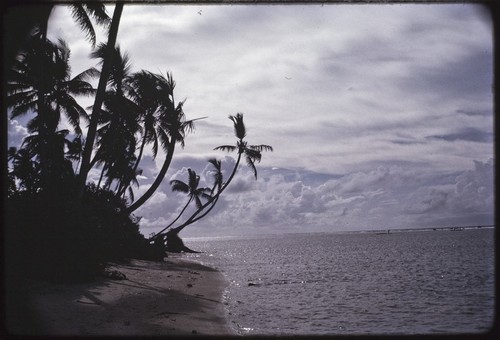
{"type": "Point", "coordinates": [357, 283]}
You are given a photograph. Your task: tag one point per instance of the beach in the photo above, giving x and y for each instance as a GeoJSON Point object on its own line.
{"type": "Point", "coordinates": [174, 297]}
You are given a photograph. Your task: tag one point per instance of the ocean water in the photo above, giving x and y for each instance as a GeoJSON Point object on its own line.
{"type": "Point", "coordinates": [412, 282]}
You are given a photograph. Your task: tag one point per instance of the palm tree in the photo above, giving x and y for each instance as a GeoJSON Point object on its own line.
{"type": "Point", "coordinates": [119, 123]}
{"type": "Point", "coordinates": [50, 92]}
{"type": "Point", "coordinates": [172, 129]}
{"type": "Point", "coordinates": [34, 21]}
{"type": "Point", "coordinates": [145, 92]}
{"type": "Point", "coordinates": [47, 94]}
{"type": "Point", "coordinates": [252, 153]}
{"type": "Point", "coordinates": [25, 168]}
{"type": "Point", "coordinates": [99, 98]}
{"type": "Point", "coordinates": [217, 175]}
{"type": "Point", "coordinates": [190, 188]}
{"type": "Point", "coordinates": [59, 163]}
{"type": "Point", "coordinates": [74, 152]}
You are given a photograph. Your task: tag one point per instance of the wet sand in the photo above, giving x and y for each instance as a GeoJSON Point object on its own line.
{"type": "Point", "coordinates": [175, 297]}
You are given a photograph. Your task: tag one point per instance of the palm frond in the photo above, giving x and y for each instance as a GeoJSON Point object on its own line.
{"type": "Point", "coordinates": [178, 185]}
{"type": "Point", "coordinates": [188, 126]}
{"type": "Point", "coordinates": [251, 164]}
{"type": "Point", "coordinates": [98, 11]}
{"type": "Point", "coordinates": [197, 201]}
{"type": "Point", "coordinates": [217, 173]}
{"type": "Point", "coordinates": [88, 74]}
{"type": "Point", "coordinates": [216, 163]}
{"type": "Point", "coordinates": [253, 154]}
{"type": "Point", "coordinates": [99, 52]}
{"type": "Point", "coordinates": [81, 17]}
{"type": "Point", "coordinates": [193, 180]}
{"type": "Point", "coordinates": [164, 139]}
{"type": "Point", "coordinates": [239, 126]}
{"type": "Point", "coordinates": [261, 147]}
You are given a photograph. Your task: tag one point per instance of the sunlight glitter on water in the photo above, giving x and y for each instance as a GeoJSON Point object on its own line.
{"type": "Point", "coordinates": [409, 283]}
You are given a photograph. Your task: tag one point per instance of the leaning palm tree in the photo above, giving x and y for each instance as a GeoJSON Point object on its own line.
{"type": "Point", "coordinates": [252, 153]}
{"type": "Point", "coordinates": [194, 193]}
{"type": "Point", "coordinates": [144, 91]}
{"type": "Point", "coordinates": [191, 188]}
{"type": "Point", "coordinates": [173, 128]}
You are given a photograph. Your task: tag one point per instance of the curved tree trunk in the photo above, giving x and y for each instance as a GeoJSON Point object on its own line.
{"type": "Point", "coordinates": [99, 98]}
{"type": "Point", "coordinates": [136, 165]}
{"type": "Point", "coordinates": [212, 201]}
{"type": "Point", "coordinates": [180, 214]}
{"type": "Point", "coordinates": [163, 171]}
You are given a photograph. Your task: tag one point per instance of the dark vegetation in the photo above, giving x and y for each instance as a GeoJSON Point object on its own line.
{"type": "Point", "coordinates": [58, 224]}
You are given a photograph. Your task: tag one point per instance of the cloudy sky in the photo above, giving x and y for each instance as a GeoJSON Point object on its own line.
{"type": "Point", "coordinates": [381, 116]}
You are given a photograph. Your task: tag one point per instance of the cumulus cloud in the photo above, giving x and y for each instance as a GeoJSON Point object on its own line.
{"type": "Point", "coordinates": [16, 133]}
{"type": "Point", "coordinates": [393, 197]}
{"type": "Point", "coordinates": [375, 113]}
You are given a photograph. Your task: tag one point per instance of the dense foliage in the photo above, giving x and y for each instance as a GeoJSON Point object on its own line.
{"type": "Point", "coordinates": [55, 238]}
{"type": "Point", "coordinates": [59, 224]}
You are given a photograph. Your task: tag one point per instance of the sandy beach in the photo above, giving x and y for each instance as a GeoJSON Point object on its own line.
{"type": "Point", "coordinates": [175, 297]}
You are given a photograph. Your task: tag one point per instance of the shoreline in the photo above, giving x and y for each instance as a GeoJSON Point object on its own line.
{"type": "Point", "coordinates": [174, 297]}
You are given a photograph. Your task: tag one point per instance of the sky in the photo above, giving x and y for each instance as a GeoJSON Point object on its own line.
{"type": "Point", "coordinates": [380, 116]}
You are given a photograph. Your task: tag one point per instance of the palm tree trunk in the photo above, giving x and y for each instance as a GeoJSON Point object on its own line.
{"type": "Point", "coordinates": [171, 223]}
{"type": "Point", "coordinates": [99, 98]}
{"type": "Point", "coordinates": [136, 165]}
{"type": "Point", "coordinates": [157, 182]}
{"type": "Point", "coordinates": [102, 175]}
{"type": "Point", "coordinates": [139, 157]}
{"type": "Point", "coordinates": [213, 200]}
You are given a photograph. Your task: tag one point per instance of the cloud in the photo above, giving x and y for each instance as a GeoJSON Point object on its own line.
{"type": "Point", "coordinates": [388, 197]}
{"type": "Point", "coordinates": [375, 113]}
{"type": "Point", "coordinates": [407, 68]}
{"type": "Point", "coordinates": [467, 134]}
{"type": "Point", "coordinates": [16, 133]}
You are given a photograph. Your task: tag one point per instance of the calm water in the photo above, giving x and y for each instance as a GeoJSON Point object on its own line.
{"type": "Point", "coordinates": [360, 283]}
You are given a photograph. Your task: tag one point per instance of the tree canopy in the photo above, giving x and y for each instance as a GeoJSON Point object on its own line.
{"type": "Point", "coordinates": [48, 173]}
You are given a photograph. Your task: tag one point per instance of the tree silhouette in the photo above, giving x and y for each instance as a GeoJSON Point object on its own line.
{"type": "Point", "coordinates": [145, 92]}
{"type": "Point", "coordinates": [252, 153]}
{"type": "Point", "coordinates": [47, 95]}
{"type": "Point", "coordinates": [118, 125]}
{"type": "Point", "coordinates": [24, 168]}
{"type": "Point", "coordinates": [99, 98]}
{"type": "Point", "coordinates": [82, 12]}
{"type": "Point", "coordinates": [130, 111]}
{"type": "Point", "coordinates": [173, 128]}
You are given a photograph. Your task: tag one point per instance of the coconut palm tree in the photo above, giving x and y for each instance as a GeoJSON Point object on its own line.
{"type": "Point", "coordinates": [190, 188]}
{"type": "Point", "coordinates": [25, 168]}
{"type": "Point", "coordinates": [51, 92]}
{"type": "Point", "coordinates": [252, 153]}
{"type": "Point", "coordinates": [209, 193]}
{"type": "Point", "coordinates": [85, 164]}
{"type": "Point", "coordinates": [119, 123]}
{"type": "Point", "coordinates": [47, 95]}
{"type": "Point", "coordinates": [172, 129]}
{"type": "Point", "coordinates": [145, 92]}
